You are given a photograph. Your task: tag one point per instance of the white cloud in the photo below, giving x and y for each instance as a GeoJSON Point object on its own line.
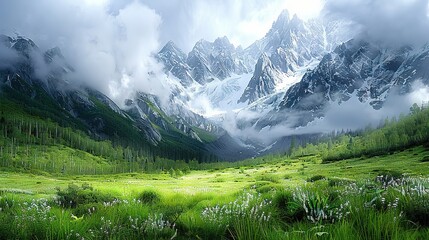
{"type": "Point", "coordinates": [350, 115]}
{"type": "Point", "coordinates": [242, 21]}
{"type": "Point", "coordinates": [110, 52]}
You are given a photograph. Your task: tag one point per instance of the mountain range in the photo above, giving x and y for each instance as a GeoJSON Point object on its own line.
{"type": "Point", "coordinates": [220, 91]}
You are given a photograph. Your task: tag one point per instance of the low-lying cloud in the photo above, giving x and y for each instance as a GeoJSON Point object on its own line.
{"type": "Point", "coordinates": [112, 53]}
{"type": "Point", "coordinates": [7, 57]}
{"type": "Point", "coordinates": [350, 115]}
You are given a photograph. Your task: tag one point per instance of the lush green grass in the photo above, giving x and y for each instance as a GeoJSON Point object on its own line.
{"type": "Point", "coordinates": [298, 198]}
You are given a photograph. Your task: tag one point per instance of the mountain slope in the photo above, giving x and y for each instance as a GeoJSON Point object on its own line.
{"type": "Point", "coordinates": [263, 81]}
{"type": "Point", "coordinates": [50, 96]}
{"type": "Point", "coordinates": [174, 61]}
{"type": "Point", "coordinates": [359, 68]}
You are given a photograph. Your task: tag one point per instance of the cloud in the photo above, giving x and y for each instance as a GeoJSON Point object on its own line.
{"type": "Point", "coordinates": [110, 52]}
{"type": "Point", "coordinates": [7, 57]}
{"type": "Point", "coordinates": [350, 115]}
{"type": "Point", "coordinates": [394, 22]}
{"type": "Point", "coordinates": [242, 21]}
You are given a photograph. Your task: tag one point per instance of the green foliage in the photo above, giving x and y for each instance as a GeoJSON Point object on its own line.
{"type": "Point", "coordinates": [74, 196]}
{"type": "Point", "coordinates": [287, 208]}
{"type": "Point", "coordinates": [268, 177]}
{"type": "Point", "coordinates": [350, 210]}
{"type": "Point", "coordinates": [335, 182]}
{"type": "Point", "coordinates": [425, 159]}
{"type": "Point", "coordinates": [316, 178]}
{"type": "Point", "coordinates": [393, 135]}
{"type": "Point", "coordinates": [149, 197]}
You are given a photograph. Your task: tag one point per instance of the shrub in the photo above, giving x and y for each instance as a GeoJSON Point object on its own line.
{"type": "Point", "coordinates": [149, 197]}
{"type": "Point", "coordinates": [268, 178]}
{"type": "Point", "coordinates": [268, 188]}
{"type": "Point", "coordinates": [74, 196]}
{"type": "Point", "coordinates": [335, 182]}
{"type": "Point", "coordinates": [288, 209]}
{"type": "Point", "coordinates": [425, 159]}
{"type": "Point", "coordinates": [414, 201]}
{"type": "Point", "coordinates": [417, 211]}
{"type": "Point", "coordinates": [315, 178]}
{"type": "Point", "coordinates": [87, 209]}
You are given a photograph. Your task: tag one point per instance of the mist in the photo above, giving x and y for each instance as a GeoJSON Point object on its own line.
{"type": "Point", "coordinates": [111, 53]}
{"type": "Point", "coordinates": [7, 57]}
{"type": "Point", "coordinates": [351, 115]}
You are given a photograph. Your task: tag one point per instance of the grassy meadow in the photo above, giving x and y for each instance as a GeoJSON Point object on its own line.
{"type": "Point", "coordinates": [383, 197]}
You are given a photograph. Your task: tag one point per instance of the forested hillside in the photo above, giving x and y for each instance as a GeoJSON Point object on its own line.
{"type": "Point", "coordinates": [391, 135]}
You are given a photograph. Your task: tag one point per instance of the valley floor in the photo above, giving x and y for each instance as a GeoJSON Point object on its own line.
{"type": "Point", "coordinates": [384, 197]}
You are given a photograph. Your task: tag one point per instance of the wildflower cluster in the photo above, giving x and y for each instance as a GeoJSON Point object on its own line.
{"type": "Point", "coordinates": [34, 211]}
{"type": "Point", "coordinates": [248, 205]}
{"type": "Point", "coordinates": [152, 226]}
{"type": "Point", "coordinates": [389, 181]}
{"type": "Point", "coordinates": [418, 187]}
{"type": "Point", "coordinates": [318, 208]}
{"type": "Point", "coordinates": [107, 228]}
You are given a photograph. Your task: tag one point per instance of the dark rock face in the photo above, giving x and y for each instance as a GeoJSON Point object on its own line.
{"type": "Point", "coordinates": [76, 104]}
{"type": "Point", "coordinates": [289, 45]}
{"type": "Point", "coordinates": [263, 81]}
{"type": "Point", "coordinates": [207, 60]}
{"type": "Point", "coordinates": [174, 61]}
{"type": "Point", "coordinates": [358, 68]}
{"type": "Point", "coordinates": [219, 59]}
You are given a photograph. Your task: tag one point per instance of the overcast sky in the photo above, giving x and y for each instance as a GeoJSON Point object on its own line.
{"type": "Point", "coordinates": [183, 21]}
{"type": "Point", "coordinates": [111, 42]}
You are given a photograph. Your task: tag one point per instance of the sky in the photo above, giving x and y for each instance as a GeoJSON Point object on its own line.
{"type": "Point", "coordinates": [388, 22]}
{"type": "Point", "coordinates": [111, 43]}
{"type": "Point", "coordinates": [242, 21]}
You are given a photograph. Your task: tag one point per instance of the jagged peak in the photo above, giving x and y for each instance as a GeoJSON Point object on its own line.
{"type": "Point", "coordinates": [263, 61]}
{"type": "Point", "coordinates": [264, 57]}
{"type": "Point", "coordinates": [52, 53]}
{"type": "Point", "coordinates": [223, 43]}
{"type": "Point", "coordinates": [202, 44]}
{"type": "Point", "coordinates": [25, 39]}
{"type": "Point", "coordinates": [170, 46]}
{"type": "Point", "coordinates": [295, 20]}
{"type": "Point", "coordinates": [284, 16]}
{"type": "Point", "coordinates": [24, 45]}
{"type": "Point", "coordinates": [222, 40]}
{"type": "Point", "coordinates": [284, 22]}
{"type": "Point", "coordinates": [55, 51]}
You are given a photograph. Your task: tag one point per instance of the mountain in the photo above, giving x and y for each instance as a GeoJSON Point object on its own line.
{"type": "Point", "coordinates": [362, 69]}
{"type": "Point", "coordinates": [281, 82]}
{"type": "Point", "coordinates": [40, 83]}
{"type": "Point", "coordinates": [289, 48]}
{"type": "Point", "coordinates": [174, 61]}
{"type": "Point", "coordinates": [181, 120]}
{"type": "Point", "coordinates": [218, 59]}
{"type": "Point", "coordinates": [253, 81]}
{"type": "Point", "coordinates": [263, 81]}
{"type": "Point", "coordinates": [207, 61]}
